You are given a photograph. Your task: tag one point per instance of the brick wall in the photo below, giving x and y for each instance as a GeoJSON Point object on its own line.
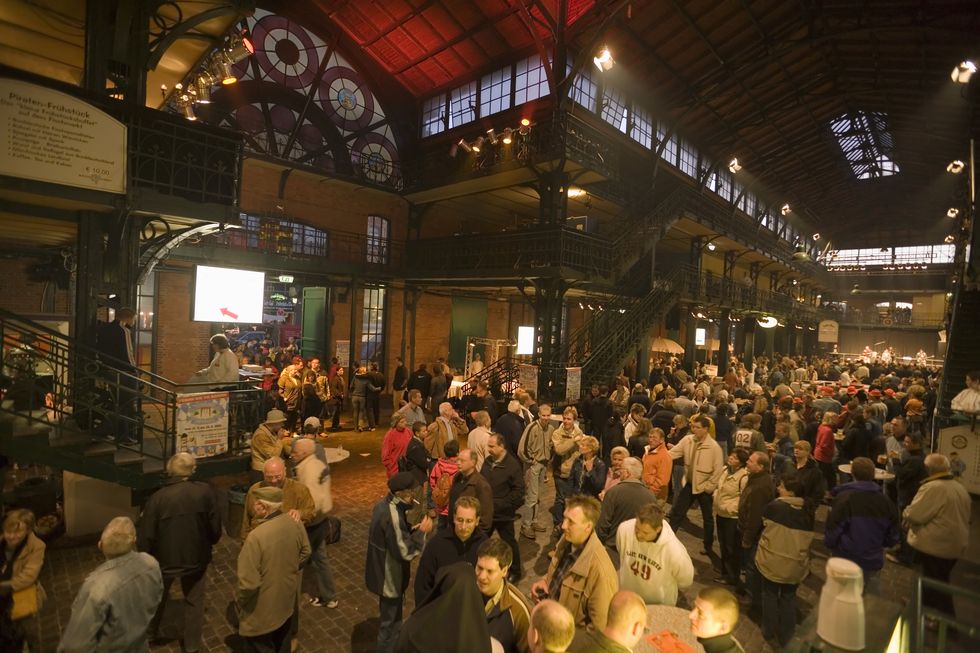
{"type": "Point", "coordinates": [22, 296]}
{"type": "Point", "coordinates": [181, 345]}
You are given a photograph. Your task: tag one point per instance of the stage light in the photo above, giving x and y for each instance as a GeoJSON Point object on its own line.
{"type": "Point", "coordinates": [711, 247]}
{"type": "Point", "coordinates": [766, 322]}
{"type": "Point", "coordinates": [953, 213]}
{"type": "Point", "coordinates": [492, 136]}
{"type": "Point", "coordinates": [604, 61]}
{"type": "Point", "coordinates": [463, 144]}
{"type": "Point", "coordinates": [816, 237]}
{"type": "Point", "coordinates": [220, 68]}
{"type": "Point", "coordinates": [786, 209]}
{"type": "Point", "coordinates": [955, 167]}
{"type": "Point", "coordinates": [963, 72]}
{"type": "Point", "coordinates": [734, 166]}
{"type": "Point", "coordinates": [202, 85]}
{"type": "Point", "coordinates": [477, 144]}
{"type": "Point", "coordinates": [506, 137]}
{"type": "Point", "coordinates": [949, 239]}
{"type": "Point", "coordinates": [574, 191]}
{"type": "Point", "coordinates": [239, 48]}
{"type": "Point", "coordinates": [525, 127]}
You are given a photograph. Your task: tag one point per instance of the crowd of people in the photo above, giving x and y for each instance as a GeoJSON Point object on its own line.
{"type": "Point", "coordinates": [758, 453]}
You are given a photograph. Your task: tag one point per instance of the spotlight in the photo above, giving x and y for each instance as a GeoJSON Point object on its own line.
{"type": "Point", "coordinates": [492, 136]}
{"type": "Point", "coordinates": [856, 290]}
{"type": "Point", "coordinates": [525, 122]}
{"type": "Point", "coordinates": [506, 137]}
{"type": "Point", "coordinates": [800, 253]}
{"type": "Point", "coordinates": [955, 167]}
{"type": "Point", "coordinates": [953, 213]}
{"type": "Point", "coordinates": [188, 110]}
{"type": "Point", "coordinates": [711, 247]}
{"type": "Point", "coordinates": [949, 239]}
{"type": "Point", "coordinates": [239, 48]}
{"type": "Point", "coordinates": [453, 150]}
{"type": "Point", "coordinates": [734, 166]}
{"type": "Point", "coordinates": [463, 144]}
{"type": "Point", "coordinates": [203, 85]}
{"type": "Point", "coordinates": [796, 282]}
{"type": "Point", "coordinates": [574, 191]}
{"type": "Point", "coordinates": [525, 127]}
{"type": "Point", "coordinates": [220, 68]}
{"type": "Point", "coordinates": [604, 61]}
{"type": "Point", "coordinates": [962, 73]}
{"type": "Point", "coordinates": [785, 209]}
{"type": "Point", "coordinates": [816, 237]}
{"type": "Point", "coordinates": [477, 144]}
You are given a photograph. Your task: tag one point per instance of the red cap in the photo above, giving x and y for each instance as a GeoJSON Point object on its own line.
{"type": "Point", "coordinates": [851, 390]}
{"type": "Point", "coordinates": [875, 393]}
{"type": "Point", "coordinates": [797, 400]}
{"type": "Point", "coordinates": [889, 392]}
{"type": "Point", "coordinates": [826, 390]}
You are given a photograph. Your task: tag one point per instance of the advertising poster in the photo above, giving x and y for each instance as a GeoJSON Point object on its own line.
{"type": "Point", "coordinates": [573, 383]}
{"type": "Point", "coordinates": [527, 376]}
{"type": "Point", "coordinates": [827, 331]}
{"type": "Point", "coordinates": [202, 423]}
{"type": "Point", "coordinates": [342, 352]}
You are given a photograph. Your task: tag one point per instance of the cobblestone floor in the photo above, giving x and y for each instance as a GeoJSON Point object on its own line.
{"type": "Point", "coordinates": [357, 483]}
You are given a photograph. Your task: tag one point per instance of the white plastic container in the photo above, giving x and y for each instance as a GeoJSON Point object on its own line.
{"type": "Point", "coordinates": [840, 620]}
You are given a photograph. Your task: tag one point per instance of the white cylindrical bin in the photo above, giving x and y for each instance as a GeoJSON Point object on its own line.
{"type": "Point", "coordinates": [840, 620]}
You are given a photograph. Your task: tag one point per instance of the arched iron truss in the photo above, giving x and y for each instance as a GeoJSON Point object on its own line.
{"type": "Point", "coordinates": [299, 100]}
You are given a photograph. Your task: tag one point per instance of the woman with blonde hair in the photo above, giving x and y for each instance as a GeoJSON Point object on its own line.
{"type": "Point", "coordinates": [589, 470]}
{"type": "Point", "coordinates": [21, 595]}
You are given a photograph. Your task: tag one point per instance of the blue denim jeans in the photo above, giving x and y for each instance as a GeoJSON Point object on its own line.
{"type": "Point", "coordinates": [563, 489]}
{"type": "Point", "coordinates": [390, 623]}
{"type": "Point", "coordinates": [778, 610]}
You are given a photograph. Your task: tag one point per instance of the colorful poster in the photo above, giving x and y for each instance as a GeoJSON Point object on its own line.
{"type": "Point", "coordinates": [527, 376]}
{"type": "Point", "coordinates": [342, 352]}
{"type": "Point", "coordinates": [202, 423]}
{"type": "Point", "coordinates": [573, 383]}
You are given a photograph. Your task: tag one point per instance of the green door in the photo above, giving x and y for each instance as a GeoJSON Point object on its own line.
{"type": "Point", "coordinates": [313, 336]}
{"type": "Point", "coordinates": [469, 318]}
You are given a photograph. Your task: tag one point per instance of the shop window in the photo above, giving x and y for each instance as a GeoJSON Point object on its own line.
{"type": "Point", "coordinates": [373, 326]}
{"type": "Point", "coordinates": [378, 239]}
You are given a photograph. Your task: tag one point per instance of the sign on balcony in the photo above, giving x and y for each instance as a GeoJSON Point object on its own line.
{"type": "Point", "coordinates": [827, 331]}
{"type": "Point", "coordinates": [50, 136]}
{"type": "Point", "coordinates": [202, 423]}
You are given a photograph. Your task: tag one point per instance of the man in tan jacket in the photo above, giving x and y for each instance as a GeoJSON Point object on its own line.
{"type": "Point", "coordinates": [266, 443]}
{"type": "Point", "coordinates": [581, 576]}
{"type": "Point", "coordinates": [703, 465]}
{"type": "Point", "coordinates": [269, 573]}
{"type": "Point", "coordinates": [297, 501]}
{"type": "Point", "coordinates": [564, 448]}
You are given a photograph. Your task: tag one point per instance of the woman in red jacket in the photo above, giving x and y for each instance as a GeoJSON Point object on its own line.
{"type": "Point", "coordinates": [395, 443]}
{"type": "Point", "coordinates": [823, 452]}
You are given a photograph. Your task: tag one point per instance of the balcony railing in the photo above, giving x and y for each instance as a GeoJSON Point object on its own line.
{"type": "Point", "coordinates": [714, 289]}
{"type": "Point", "coordinates": [901, 318]}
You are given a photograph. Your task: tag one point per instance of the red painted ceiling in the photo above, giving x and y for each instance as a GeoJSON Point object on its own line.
{"type": "Point", "coordinates": [426, 44]}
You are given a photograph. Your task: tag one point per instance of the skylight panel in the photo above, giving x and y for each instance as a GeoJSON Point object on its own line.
{"type": "Point", "coordinates": [866, 143]}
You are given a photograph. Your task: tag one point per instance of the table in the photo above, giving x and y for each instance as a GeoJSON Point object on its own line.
{"type": "Point", "coordinates": [671, 618]}
{"type": "Point", "coordinates": [336, 454]}
{"type": "Point", "coordinates": [880, 474]}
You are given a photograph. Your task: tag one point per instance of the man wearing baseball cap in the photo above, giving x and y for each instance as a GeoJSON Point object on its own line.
{"type": "Point", "coordinates": [266, 443]}
{"type": "Point", "coordinates": [392, 545]}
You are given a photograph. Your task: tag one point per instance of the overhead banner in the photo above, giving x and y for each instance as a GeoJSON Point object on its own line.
{"type": "Point", "coordinates": [827, 331]}
{"type": "Point", "coordinates": [202, 423]}
{"type": "Point", "coordinates": [573, 383]}
{"type": "Point", "coordinates": [50, 136]}
{"type": "Point", "coordinates": [527, 376]}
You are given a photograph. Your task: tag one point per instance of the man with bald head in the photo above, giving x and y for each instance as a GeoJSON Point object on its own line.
{"type": "Point", "coordinates": [624, 628]}
{"type": "Point", "coordinates": [938, 520]}
{"type": "Point", "coordinates": [552, 628]}
{"type": "Point", "coordinates": [113, 609]}
{"type": "Point", "coordinates": [314, 474]}
{"type": "Point", "coordinates": [179, 525]}
{"type": "Point", "coordinates": [297, 501]}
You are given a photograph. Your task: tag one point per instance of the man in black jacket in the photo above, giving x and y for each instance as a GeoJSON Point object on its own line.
{"type": "Point", "coordinates": [399, 383]}
{"type": "Point", "coordinates": [511, 426]}
{"type": "Point", "coordinates": [179, 526]}
{"type": "Point", "coordinates": [421, 380]}
{"type": "Point", "coordinates": [115, 345]}
{"type": "Point", "coordinates": [756, 495]}
{"type": "Point", "coordinates": [505, 475]}
{"type": "Point", "coordinates": [450, 545]}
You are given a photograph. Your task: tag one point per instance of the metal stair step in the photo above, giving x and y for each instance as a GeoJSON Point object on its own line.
{"type": "Point", "coordinates": [100, 450]}
{"type": "Point", "coordinates": [125, 457]}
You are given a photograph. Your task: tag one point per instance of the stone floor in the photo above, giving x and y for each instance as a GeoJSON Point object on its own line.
{"type": "Point", "coordinates": [357, 483]}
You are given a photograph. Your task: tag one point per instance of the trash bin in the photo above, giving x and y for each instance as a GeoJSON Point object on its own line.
{"type": "Point", "coordinates": [236, 509]}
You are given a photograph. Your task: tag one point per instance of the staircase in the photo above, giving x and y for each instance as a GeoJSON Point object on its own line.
{"type": "Point", "coordinates": [603, 355]}
{"type": "Point", "coordinates": [962, 347]}
{"type": "Point", "coordinates": [62, 406]}
{"type": "Point", "coordinates": [500, 376]}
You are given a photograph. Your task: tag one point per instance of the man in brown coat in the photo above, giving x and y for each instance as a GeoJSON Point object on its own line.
{"type": "Point", "coordinates": [470, 483]}
{"type": "Point", "coordinates": [297, 501]}
{"type": "Point", "coordinates": [269, 573]}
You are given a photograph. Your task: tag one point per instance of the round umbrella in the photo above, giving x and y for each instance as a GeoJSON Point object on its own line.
{"type": "Point", "coordinates": [666, 345]}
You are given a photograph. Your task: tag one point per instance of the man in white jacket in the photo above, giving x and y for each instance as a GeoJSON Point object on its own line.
{"type": "Point", "coordinates": [652, 561]}
{"type": "Point", "coordinates": [315, 475]}
{"type": "Point", "coordinates": [703, 465]}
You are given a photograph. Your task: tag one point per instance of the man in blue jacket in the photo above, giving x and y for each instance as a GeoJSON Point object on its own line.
{"type": "Point", "coordinates": [862, 523]}
{"type": "Point", "coordinates": [392, 545]}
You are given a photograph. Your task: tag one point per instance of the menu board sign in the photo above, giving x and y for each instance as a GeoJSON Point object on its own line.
{"type": "Point", "coordinates": [50, 136]}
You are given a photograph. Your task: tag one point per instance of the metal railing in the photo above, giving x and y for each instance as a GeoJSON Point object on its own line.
{"type": "Point", "coordinates": [67, 404]}
{"type": "Point", "coordinates": [898, 319]}
{"type": "Point", "coordinates": [944, 622]}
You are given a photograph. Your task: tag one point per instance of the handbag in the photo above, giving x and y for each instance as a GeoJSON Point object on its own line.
{"type": "Point", "coordinates": [25, 603]}
{"type": "Point", "coordinates": [333, 530]}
